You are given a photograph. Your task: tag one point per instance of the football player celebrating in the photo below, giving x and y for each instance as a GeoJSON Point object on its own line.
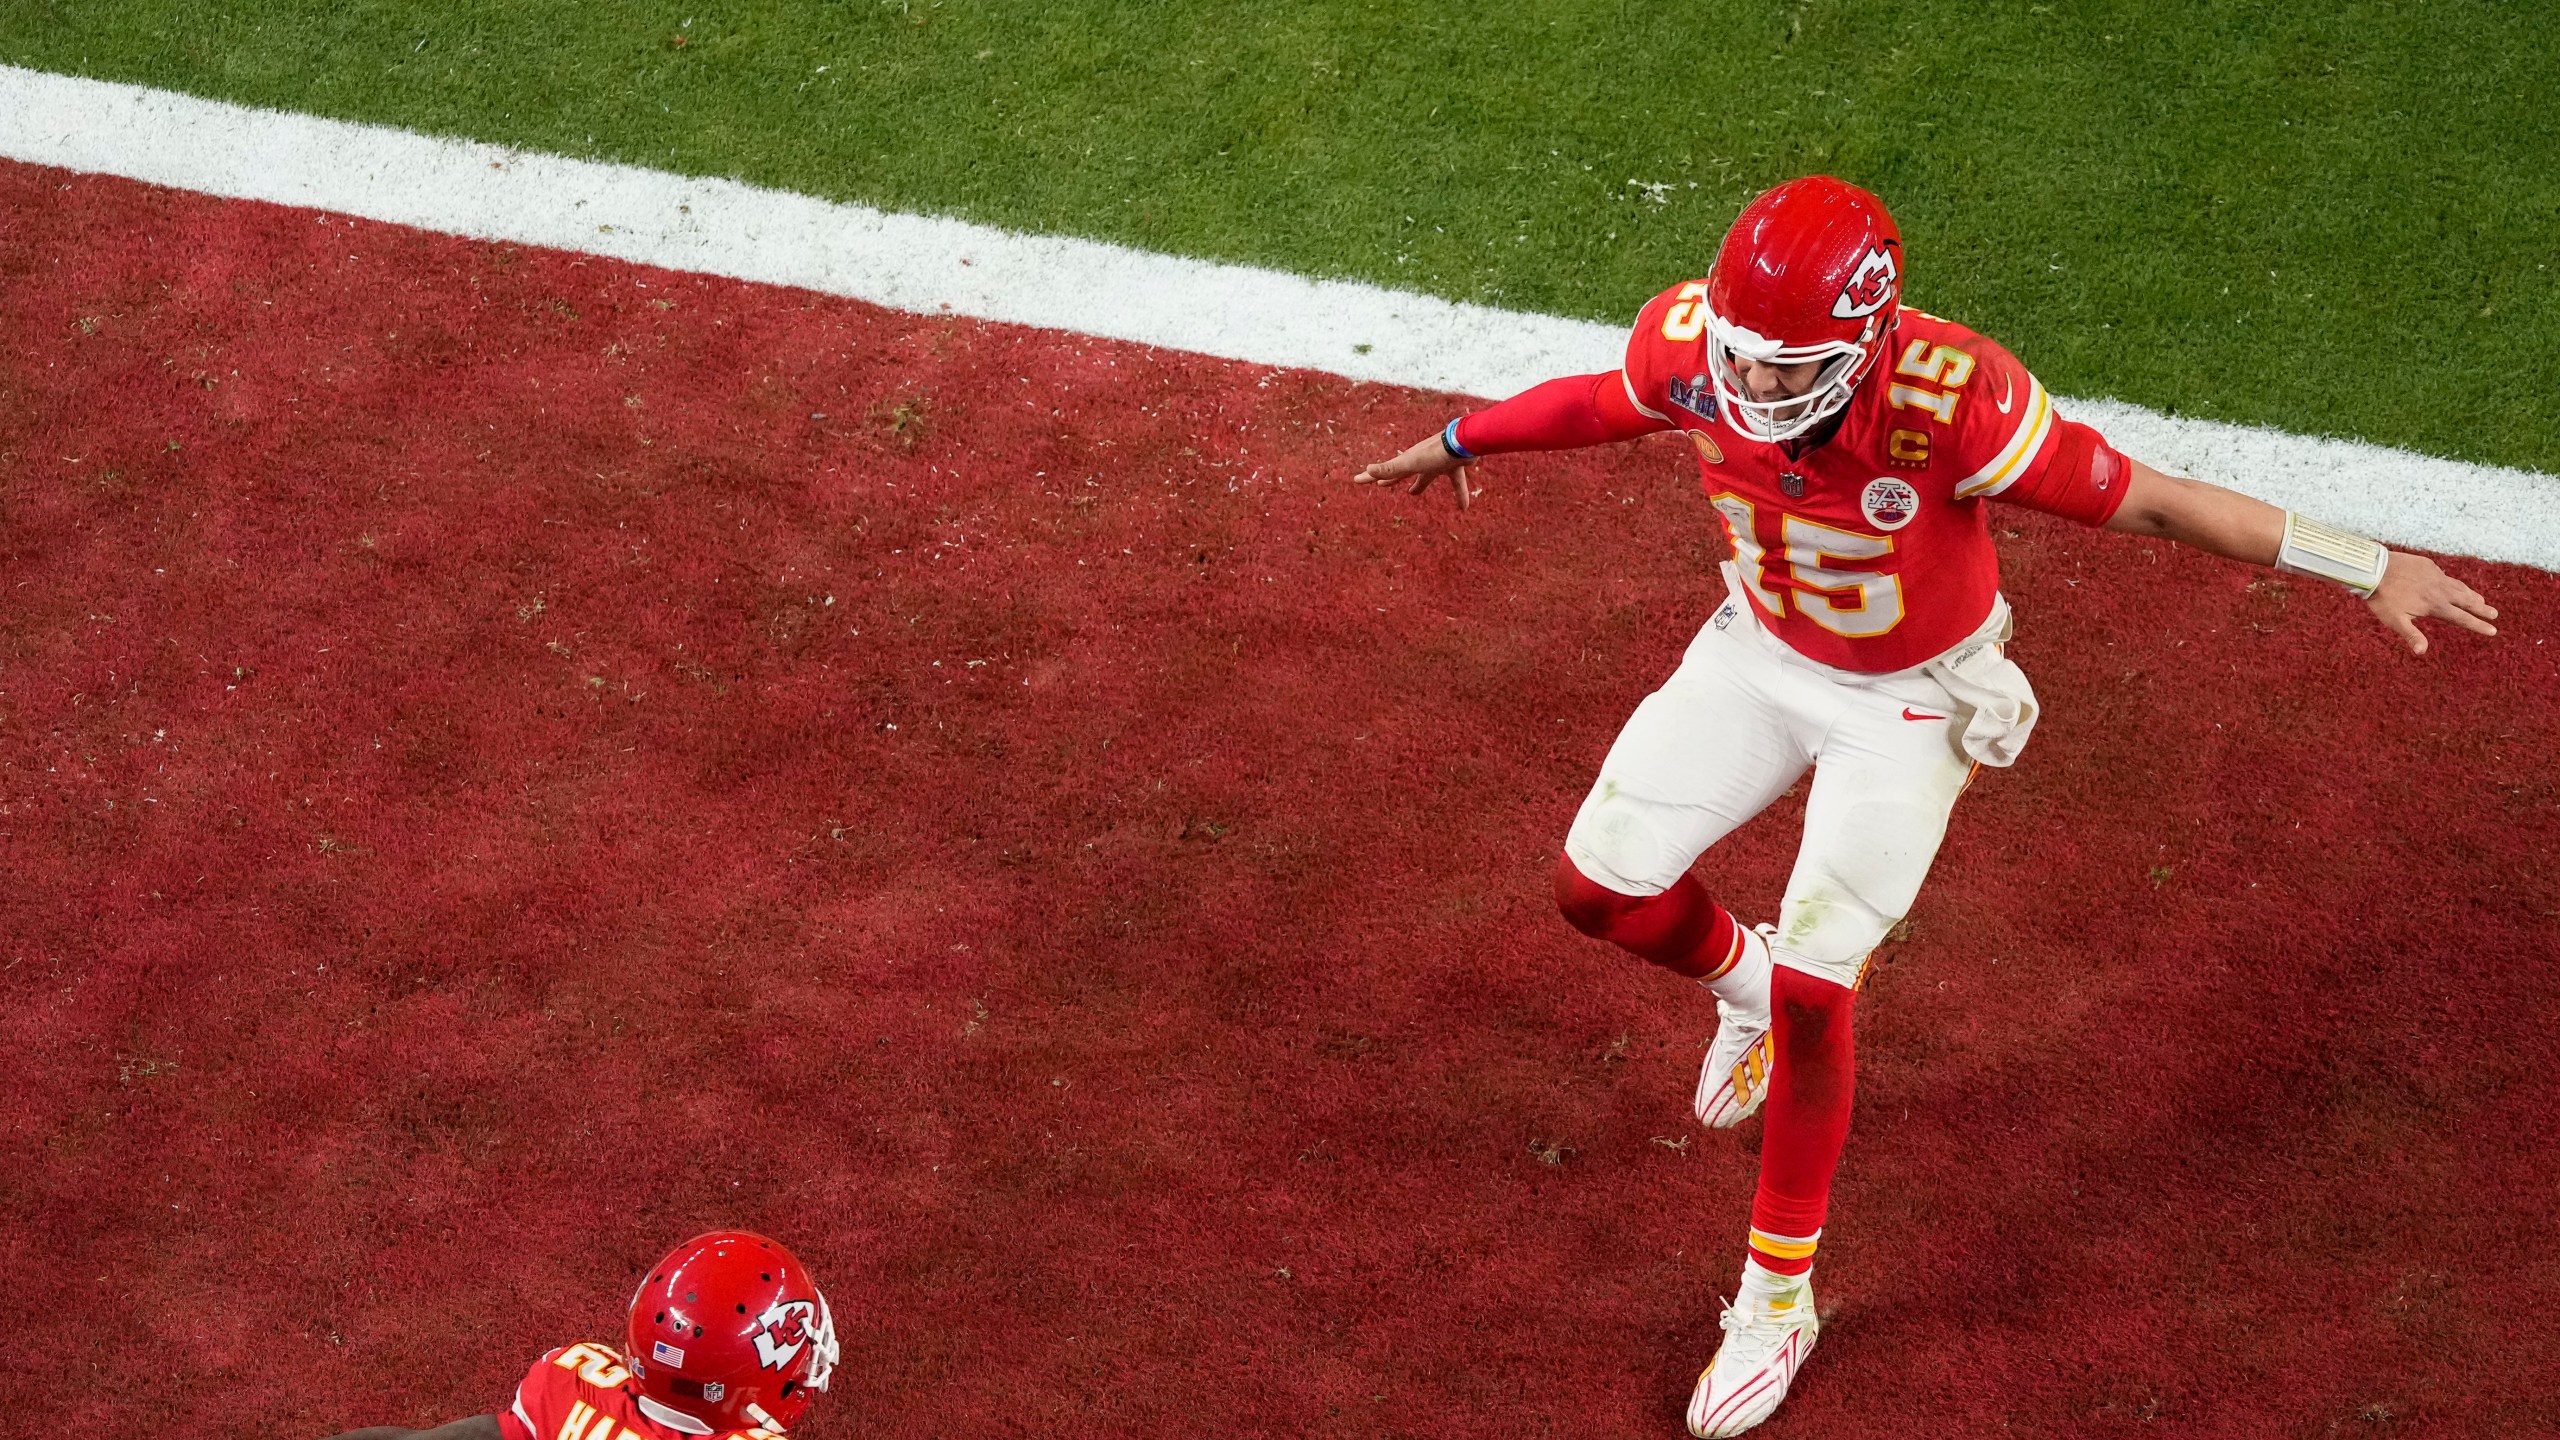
{"type": "Point", "coordinates": [728, 1337]}
{"type": "Point", "coordinates": [1851, 447]}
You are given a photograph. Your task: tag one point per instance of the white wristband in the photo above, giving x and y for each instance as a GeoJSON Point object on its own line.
{"type": "Point", "coordinates": [2311, 548]}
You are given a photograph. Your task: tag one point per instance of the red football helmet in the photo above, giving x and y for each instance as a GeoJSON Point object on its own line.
{"type": "Point", "coordinates": [1812, 270]}
{"type": "Point", "coordinates": [728, 1331]}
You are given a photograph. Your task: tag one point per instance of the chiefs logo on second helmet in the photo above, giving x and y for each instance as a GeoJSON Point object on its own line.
{"type": "Point", "coordinates": [783, 1331]}
{"type": "Point", "coordinates": [1870, 286]}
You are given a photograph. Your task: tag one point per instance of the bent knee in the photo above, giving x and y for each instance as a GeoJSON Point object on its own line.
{"type": "Point", "coordinates": [1617, 843]}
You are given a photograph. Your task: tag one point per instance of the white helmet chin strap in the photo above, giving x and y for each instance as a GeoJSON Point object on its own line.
{"type": "Point", "coordinates": [671, 1417]}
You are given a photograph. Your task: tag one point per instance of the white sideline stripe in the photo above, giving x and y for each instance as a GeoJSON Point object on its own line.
{"type": "Point", "coordinates": [932, 265]}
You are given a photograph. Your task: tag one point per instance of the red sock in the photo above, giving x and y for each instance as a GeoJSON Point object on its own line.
{"type": "Point", "coordinates": [1805, 1119]}
{"type": "Point", "coordinates": [1682, 929]}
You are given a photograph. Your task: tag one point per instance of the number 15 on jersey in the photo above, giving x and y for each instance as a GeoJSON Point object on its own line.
{"type": "Point", "coordinates": [1796, 560]}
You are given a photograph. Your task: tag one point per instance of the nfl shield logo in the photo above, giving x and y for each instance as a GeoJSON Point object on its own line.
{"type": "Point", "coordinates": [1792, 483]}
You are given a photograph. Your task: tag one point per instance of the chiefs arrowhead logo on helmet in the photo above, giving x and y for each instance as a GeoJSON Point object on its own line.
{"type": "Point", "coordinates": [783, 1330]}
{"type": "Point", "coordinates": [1870, 288]}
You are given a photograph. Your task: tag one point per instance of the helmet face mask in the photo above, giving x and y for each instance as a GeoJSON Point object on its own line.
{"type": "Point", "coordinates": [1810, 272]}
{"type": "Point", "coordinates": [1844, 364]}
{"type": "Point", "coordinates": [822, 1349]}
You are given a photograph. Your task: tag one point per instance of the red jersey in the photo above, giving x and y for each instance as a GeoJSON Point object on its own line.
{"type": "Point", "coordinates": [583, 1392]}
{"type": "Point", "coordinates": [1871, 551]}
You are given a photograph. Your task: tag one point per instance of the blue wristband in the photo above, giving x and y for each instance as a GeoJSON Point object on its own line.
{"type": "Point", "coordinates": [1449, 441]}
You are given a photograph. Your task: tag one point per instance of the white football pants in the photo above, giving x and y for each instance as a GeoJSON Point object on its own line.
{"type": "Point", "coordinates": [1741, 720]}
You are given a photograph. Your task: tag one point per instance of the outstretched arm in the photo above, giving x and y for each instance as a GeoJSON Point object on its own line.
{"type": "Point", "coordinates": [2230, 524]}
{"type": "Point", "coordinates": [1564, 414]}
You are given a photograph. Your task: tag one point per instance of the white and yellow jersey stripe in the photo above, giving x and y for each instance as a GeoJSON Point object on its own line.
{"type": "Point", "coordinates": [2035, 421]}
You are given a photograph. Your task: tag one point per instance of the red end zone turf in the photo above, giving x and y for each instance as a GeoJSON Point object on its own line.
{"type": "Point", "coordinates": [509, 760]}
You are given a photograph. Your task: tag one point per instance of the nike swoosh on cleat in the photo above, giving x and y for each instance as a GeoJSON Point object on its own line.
{"type": "Point", "coordinates": [1910, 714]}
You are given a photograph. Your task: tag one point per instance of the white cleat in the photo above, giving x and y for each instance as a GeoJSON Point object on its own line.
{"type": "Point", "coordinates": [1766, 1338]}
{"type": "Point", "coordinates": [1735, 1078]}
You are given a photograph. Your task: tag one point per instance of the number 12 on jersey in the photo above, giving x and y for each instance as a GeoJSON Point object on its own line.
{"type": "Point", "coordinates": [1854, 603]}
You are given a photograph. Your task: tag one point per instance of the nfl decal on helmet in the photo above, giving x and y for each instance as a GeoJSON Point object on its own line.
{"type": "Point", "coordinates": [1811, 271]}
{"type": "Point", "coordinates": [729, 1331]}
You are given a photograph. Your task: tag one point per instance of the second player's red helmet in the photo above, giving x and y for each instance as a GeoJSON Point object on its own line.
{"type": "Point", "coordinates": [730, 1331]}
{"type": "Point", "coordinates": [1812, 270]}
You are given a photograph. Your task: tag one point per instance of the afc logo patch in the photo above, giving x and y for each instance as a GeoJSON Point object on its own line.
{"type": "Point", "coordinates": [1889, 503]}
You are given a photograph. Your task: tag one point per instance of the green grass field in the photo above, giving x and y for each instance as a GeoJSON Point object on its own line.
{"type": "Point", "coordinates": [2339, 223]}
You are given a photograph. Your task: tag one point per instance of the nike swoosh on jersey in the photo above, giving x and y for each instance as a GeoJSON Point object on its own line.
{"type": "Point", "coordinates": [2008, 392]}
{"type": "Point", "coordinates": [1910, 714]}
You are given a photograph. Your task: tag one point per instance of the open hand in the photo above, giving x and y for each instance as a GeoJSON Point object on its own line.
{"type": "Point", "coordinates": [1421, 463]}
{"type": "Point", "coordinates": [2414, 587]}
